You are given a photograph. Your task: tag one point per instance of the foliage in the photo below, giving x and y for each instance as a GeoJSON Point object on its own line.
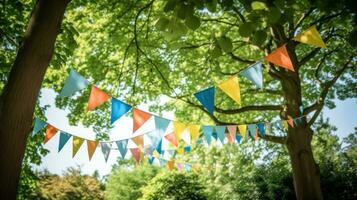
{"type": "Point", "coordinates": [174, 185]}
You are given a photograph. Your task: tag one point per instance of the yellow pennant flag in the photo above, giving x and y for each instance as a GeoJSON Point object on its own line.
{"type": "Point", "coordinates": [242, 130]}
{"type": "Point", "coordinates": [77, 143]}
{"type": "Point", "coordinates": [285, 124]}
{"type": "Point", "coordinates": [91, 146]}
{"type": "Point", "coordinates": [156, 154]}
{"type": "Point", "coordinates": [180, 150]}
{"type": "Point", "coordinates": [139, 141]}
{"type": "Point", "coordinates": [194, 132]}
{"type": "Point", "coordinates": [170, 164]}
{"type": "Point", "coordinates": [310, 36]}
{"type": "Point", "coordinates": [179, 127]}
{"type": "Point", "coordinates": [231, 88]}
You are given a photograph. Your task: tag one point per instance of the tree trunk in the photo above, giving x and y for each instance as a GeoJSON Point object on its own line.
{"type": "Point", "coordinates": [19, 97]}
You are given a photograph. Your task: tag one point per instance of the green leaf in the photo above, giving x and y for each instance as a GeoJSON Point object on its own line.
{"type": "Point", "coordinates": [170, 5]}
{"type": "Point", "coordinates": [246, 29]}
{"type": "Point", "coordinates": [212, 6]}
{"type": "Point", "coordinates": [352, 39]}
{"type": "Point", "coordinates": [192, 22]}
{"type": "Point", "coordinates": [216, 52]}
{"type": "Point", "coordinates": [226, 44]}
{"type": "Point", "coordinates": [162, 23]}
{"type": "Point", "coordinates": [274, 15]}
{"type": "Point", "coordinates": [259, 37]}
{"type": "Point", "coordinates": [257, 5]}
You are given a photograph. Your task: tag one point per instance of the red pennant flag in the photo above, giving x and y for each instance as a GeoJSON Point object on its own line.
{"type": "Point", "coordinates": [139, 117]}
{"type": "Point", "coordinates": [290, 121]}
{"type": "Point", "coordinates": [96, 98]}
{"type": "Point", "coordinates": [50, 132]}
{"type": "Point", "coordinates": [280, 57]}
{"type": "Point", "coordinates": [230, 138]}
{"type": "Point", "coordinates": [136, 154]}
{"type": "Point", "coordinates": [172, 138]}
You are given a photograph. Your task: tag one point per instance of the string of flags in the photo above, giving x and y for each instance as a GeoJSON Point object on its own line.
{"type": "Point", "coordinates": [163, 141]}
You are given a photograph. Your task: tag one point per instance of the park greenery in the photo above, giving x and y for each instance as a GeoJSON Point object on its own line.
{"type": "Point", "coordinates": [159, 53]}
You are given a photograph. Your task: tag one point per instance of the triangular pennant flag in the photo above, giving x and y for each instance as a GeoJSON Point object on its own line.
{"type": "Point", "coordinates": [252, 129]}
{"type": "Point", "coordinates": [39, 124]}
{"type": "Point", "coordinates": [206, 98]}
{"type": "Point", "coordinates": [96, 98]}
{"type": "Point", "coordinates": [285, 124]}
{"type": "Point", "coordinates": [155, 137]}
{"type": "Point", "coordinates": [50, 132]}
{"type": "Point", "coordinates": [156, 154]}
{"type": "Point", "coordinates": [232, 129]}
{"type": "Point", "coordinates": [76, 144]}
{"type": "Point", "coordinates": [254, 74]}
{"type": "Point", "coordinates": [180, 150]}
{"type": "Point", "coordinates": [170, 164]}
{"type": "Point", "coordinates": [172, 138]}
{"type": "Point", "coordinates": [194, 132]}
{"type": "Point", "coordinates": [179, 127]}
{"type": "Point", "coordinates": [122, 147]}
{"type": "Point", "coordinates": [151, 160]}
{"type": "Point", "coordinates": [105, 150]}
{"type": "Point", "coordinates": [280, 57]}
{"type": "Point", "coordinates": [239, 138]}
{"type": "Point", "coordinates": [230, 138]}
{"type": "Point", "coordinates": [187, 149]}
{"type": "Point", "coordinates": [179, 166]}
{"type": "Point", "coordinates": [231, 88]}
{"type": "Point", "coordinates": [242, 129]}
{"type": "Point", "coordinates": [119, 109]}
{"type": "Point", "coordinates": [310, 36]}
{"type": "Point", "coordinates": [74, 82]}
{"type": "Point", "coordinates": [187, 167]}
{"type": "Point", "coordinates": [214, 135]}
{"type": "Point", "coordinates": [261, 128]}
{"type": "Point", "coordinates": [91, 146]}
{"type": "Point", "coordinates": [139, 118]}
{"type": "Point", "coordinates": [64, 137]}
{"type": "Point", "coordinates": [139, 141]}
{"type": "Point", "coordinates": [159, 147]}
{"type": "Point", "coordinates": [162, 162]}
{"type": "Point", "coordinates": [220, 132]}
{"type": "Point", "coordinates": [136, 154]}
{"type": "Point", "coordinates": [161, 124]}
{"type": "Point", "coordinates": [207, 131]}
{"type": "Point", "coordinates": [290, 121]}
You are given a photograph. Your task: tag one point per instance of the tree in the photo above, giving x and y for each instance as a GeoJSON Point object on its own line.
{"type": "Point", "coordinates": [23, 83]}
{"type": "Point", "coordinates": [174, 185]}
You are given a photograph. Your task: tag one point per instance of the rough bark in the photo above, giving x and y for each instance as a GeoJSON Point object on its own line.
{"type": "Point", "coordinates": [19, 97]}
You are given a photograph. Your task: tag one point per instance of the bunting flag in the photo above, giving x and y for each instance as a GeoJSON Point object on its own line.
{"type": "Point", "coordinates": [139, 141]}
{"type": "Point", "coordinates": [172, 138]}
{"type": "Point", "coordinates": [232, 129]}
{"type": "Point", "coordinates": [154, 137]}
{"type": "Point", "coordinates": [156, 154]}
{"type": "Point", "coordinates": [39, 124]}
{"type": "Point", "coordinates": [194, 132]}
{"type": "Point", "coordinates": [252, 129]}
{"type": "Point", "coordinates": [50, 132]}
{"type": "Point", "coordinates": [206, 98]}
{"type": "Point", "coordinates": [139, 118]}
{"type": "Point", "coordinates": [261, 128]}
{"type": "Point", "coordinates": [242, 129]}
{"type": "Point", "coordinates": [254, 74]}
{"type": "Point", "coordinates": [119, 109]}
{"type": "Point", "coordinates": [231, 88]}
{"type": "Point", "coordinates": [180, 151]}
{"type": "Point", "coordinates": [159, 147]}
{"type": "Point", "coordinates": [64, 137]}
{"type": "Point", "coordinates": [179, 128]}
{"type": "Point", "coordinates": [151, 160]}
{"type": "Point", "coordinates": [74, 82]}
{"type": "Point", "coordinates": [230, 138]}
{"type": "Point", "coordinates": [220, 130]}
{"type": "Point", "coordinates": [285, 124]}
{"type": "Point", "coordinates": [280, 57]}
{"type": "Point", "coordinates": [91, 146]}
{"type": "Point", "coordinates": [187, 149]}
{"type": "Point", "coordinates": [76, 144]}
{"type": "Point", "coordinates": [290, 121]}
{"type": "Point", "coordinates": [256, 136]}
{"type": "Point", "coordinates": [170, 164]}
{"type": "Point", "coordinates": [161, 124]}
{"type": "Point", "coordinates": [122, 147]}
{"type": "Point", "coordinates": [207, 131]}
{"type": "Point", "coordinates": [310, 36]}
{"type": "Point", "coordinates": [136, 154]}
{"type": "Point", "coordinates": [179, 166]}
{"type": "Point", "coordinates": [187, 167]}
{"type": "Point", "coordinates": [105, 150]}
{"type": "Point", "coordinates": [96, 98]}
{"type": "Point", "coordinates": [238, 138]}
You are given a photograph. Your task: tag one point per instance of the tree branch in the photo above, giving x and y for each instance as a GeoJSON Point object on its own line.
{"type": "Point", "coordinates": [274, 139]}
{"type": "Point", "coordinates": [237, 58]}
{"type": "Point", "coordinates": [248, 108]}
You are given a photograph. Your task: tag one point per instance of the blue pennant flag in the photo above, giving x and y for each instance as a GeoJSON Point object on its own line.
{"type": "Point", "coordinates": [206, 98]}
{"type": "Point", "coordinates": [301, 108]}
{"type": "Point", "coordinates": [122, 147]}
{"type": "Point", "coordinates": [187, 167]}
{"type": "Point", "coordinates": [39, 124]}
{"type": "Point", "coordinates": [252, 129]}
{"type": "Point", "coordinates": [261, 128]}
{"type": "Point", "coordinates": [64, 137]}
{"type": "Point", "coordinates": [158, 147]}
{"type": "Point", "coordinates": [187, 149]}
{"type": "Point", "coordinates": [254, 74]}
{"type": "Point", "coordinates": [207, 131]}
{"type": "Point", "coordinates": [74, 82]}
{"type": "Point", "coordinates": [151, 160]}
{"type": "Point", "coordinates": [161, 125]}
{"type": "Point", "coordinates": [163, 162]}
{"type": "Point", "coordinates": [238, 138]}
{"type": "Point", "coordinates": [154, 137]}
{"type": "Point", "coordinates": [119, 109]}
{"type": "Point", "coordinates": [214, 135]}
{"type": "Point", "coordinates": [220, 132]}
{"type": "Point", "coordinates": [105, 150]}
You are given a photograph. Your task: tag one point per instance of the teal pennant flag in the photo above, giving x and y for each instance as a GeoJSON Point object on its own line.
{"type": "Point", "coordinates": [64, 137]}
{"type": "Point", "coordinates": [207, 131]}
{"type": "Point", "coordinates": [161, 125]}
{"type": "Point", "coordinates": [122, 147]}
{"type": "Point", "coordinates": [261, 128]}
{"type": "Point", "coordinates": [252, 129]}
{"type": "Point", "coordinates": [206, 98]}
{"type": "Point", "coordinates": [39, 124]}
{"type": "Point", "coordinates": [238, 138]}
{"type": "Point", "coordinates": [221, 132]}
{"type": "Point", "coordinates": [155, 137]}
{"type": "Point", "coordinates": [106, 150]}
{"type": "Point", "coordinates": [119, 109]}
{"type": "Point", "coordinates": [74, 82]}
{"type": "Point", "coordinates": [254, 74]}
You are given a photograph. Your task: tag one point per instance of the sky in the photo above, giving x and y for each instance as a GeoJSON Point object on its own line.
{"type": "Point", "coordinates": [343, 117]}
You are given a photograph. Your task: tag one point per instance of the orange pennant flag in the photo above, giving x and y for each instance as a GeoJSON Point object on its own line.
{"type": "Point", "coordinates": [280, 57]}
{"type": "Point", "coordinates": [50, 132]}
{"type": "Point", "coordinates": [91, 146]}
{"type": "Point", "coordinates": [139, 117]}
{"type": "Point", "coordinates": [96, 98]}
{"type": "Point", "coordinates": [170, 164]}
{"type": "Point", "coordinates": [172, 138]}
{"type": "Point", "coordinates": [139, 141]}
{"type": "Point", "coordinates": [290, 121]}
